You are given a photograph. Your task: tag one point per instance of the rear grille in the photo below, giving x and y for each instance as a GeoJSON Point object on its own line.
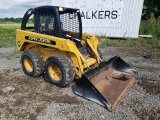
{"type": "Point", "coordinates": [70, 24]}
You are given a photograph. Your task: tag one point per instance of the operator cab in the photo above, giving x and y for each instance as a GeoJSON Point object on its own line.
{"type": "Point", "coordinates": [55, 21]}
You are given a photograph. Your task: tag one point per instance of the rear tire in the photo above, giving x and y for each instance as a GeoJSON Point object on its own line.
{"type": "Point", "coordinates": [32, 63]}
{"type": "Point", "coordinates": [59, 70]}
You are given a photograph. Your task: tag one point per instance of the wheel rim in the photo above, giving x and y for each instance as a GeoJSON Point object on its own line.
{"type": "Point", "coordinates": [28, 64]}
{"type": "Point", "coordinates": [55, 72]}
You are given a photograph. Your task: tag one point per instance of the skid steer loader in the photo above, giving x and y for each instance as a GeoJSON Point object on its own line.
{"type": "Point", "coordinates": [55, 47]}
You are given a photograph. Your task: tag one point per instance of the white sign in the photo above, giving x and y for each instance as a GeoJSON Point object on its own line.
{"type": "Point", "coordinates": [98, 14]}
{"type": "Point", "coordinates": [113, 18]}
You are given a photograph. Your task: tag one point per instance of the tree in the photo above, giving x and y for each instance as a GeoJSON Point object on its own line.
{"type": "Point", "coordinates": [151, 8]}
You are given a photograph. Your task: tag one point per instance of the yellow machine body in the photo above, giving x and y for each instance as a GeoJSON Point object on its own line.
{"type": "Point", "coordinates": [55, 47]}
{"type": "Point", "coordinates": [43, 43]}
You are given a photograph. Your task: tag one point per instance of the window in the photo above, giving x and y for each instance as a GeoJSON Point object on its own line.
{"type": "Point", "coordinates": [46, 23]}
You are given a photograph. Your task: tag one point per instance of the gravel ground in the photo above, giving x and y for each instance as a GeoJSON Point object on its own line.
{"type": "Point", "coordinates": [32, 98]}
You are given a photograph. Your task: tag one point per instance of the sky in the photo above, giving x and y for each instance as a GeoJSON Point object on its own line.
{"type": "Point", "coordinates": [17, 8]}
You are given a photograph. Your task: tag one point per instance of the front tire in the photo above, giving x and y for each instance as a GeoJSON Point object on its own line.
{"type": "Point", "coordinates": [32, 63]}
{"type": "Point", "coordinates": [59, 70]}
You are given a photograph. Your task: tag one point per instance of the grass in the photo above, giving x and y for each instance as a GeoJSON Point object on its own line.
{"type": "Point", "coordinates": [148, 27]}
{"type": "Point", "coordinates": [8, 31]}
{"type": "Point", "coordinates": [151, 27]}
{"type": "Point", "coordinates": [146, 45]}
{"type": "Point", "coordinates": [140, 67]}
{"type": "Point", "coordinates": [11, 55]}
{"type": "Point", "coordinates": [8, 34]}
{"type": "Point", "coordinates": [7, 43]}
{"type": "Point", "coordinates": [15, 54]}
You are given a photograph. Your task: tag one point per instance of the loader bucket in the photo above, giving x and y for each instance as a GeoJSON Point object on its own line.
{"type": "Point", "coordinates": [106, 84]}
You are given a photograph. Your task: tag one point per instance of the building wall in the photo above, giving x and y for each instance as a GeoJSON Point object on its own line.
{"type": "Point", "coordinates": [112, 18]}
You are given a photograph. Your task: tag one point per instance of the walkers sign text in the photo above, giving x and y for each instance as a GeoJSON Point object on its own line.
{"type": "Point", "coordinates": [99, 13]}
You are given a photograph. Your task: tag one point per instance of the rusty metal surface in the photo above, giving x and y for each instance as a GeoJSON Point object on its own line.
{"type": "Point", "coordinates": [107, 84]}
{"type": "Point", "coordinates": [113, 80]}
{"type": "Point", "coordinates": [113, 85]}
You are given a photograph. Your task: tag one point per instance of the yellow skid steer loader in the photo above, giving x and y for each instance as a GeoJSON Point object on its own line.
{"type": "Point", "coordinates": [55, 47]}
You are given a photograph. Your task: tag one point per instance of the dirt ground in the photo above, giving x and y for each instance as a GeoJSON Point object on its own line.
{"type": "Point", "coordinates": [33, 98]}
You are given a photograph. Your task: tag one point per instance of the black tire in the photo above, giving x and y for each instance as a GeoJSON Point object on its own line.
{"type": "Point", "coordinates": [62, 67]}
{"type": "Point", "coordinates": [100, 53]}
{"type": "Point", "coordinates": [32, 63]}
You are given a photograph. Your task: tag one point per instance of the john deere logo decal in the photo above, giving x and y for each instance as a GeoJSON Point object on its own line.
{"type": "Point", "coordinates": [39, 39]}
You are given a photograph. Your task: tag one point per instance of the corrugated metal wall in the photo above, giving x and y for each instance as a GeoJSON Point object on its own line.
{"type": "Point", "coordinates": [112, 18]}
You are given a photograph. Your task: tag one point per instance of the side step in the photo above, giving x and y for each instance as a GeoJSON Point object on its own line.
{"type": "Point", "coordinates": [106, 84]}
